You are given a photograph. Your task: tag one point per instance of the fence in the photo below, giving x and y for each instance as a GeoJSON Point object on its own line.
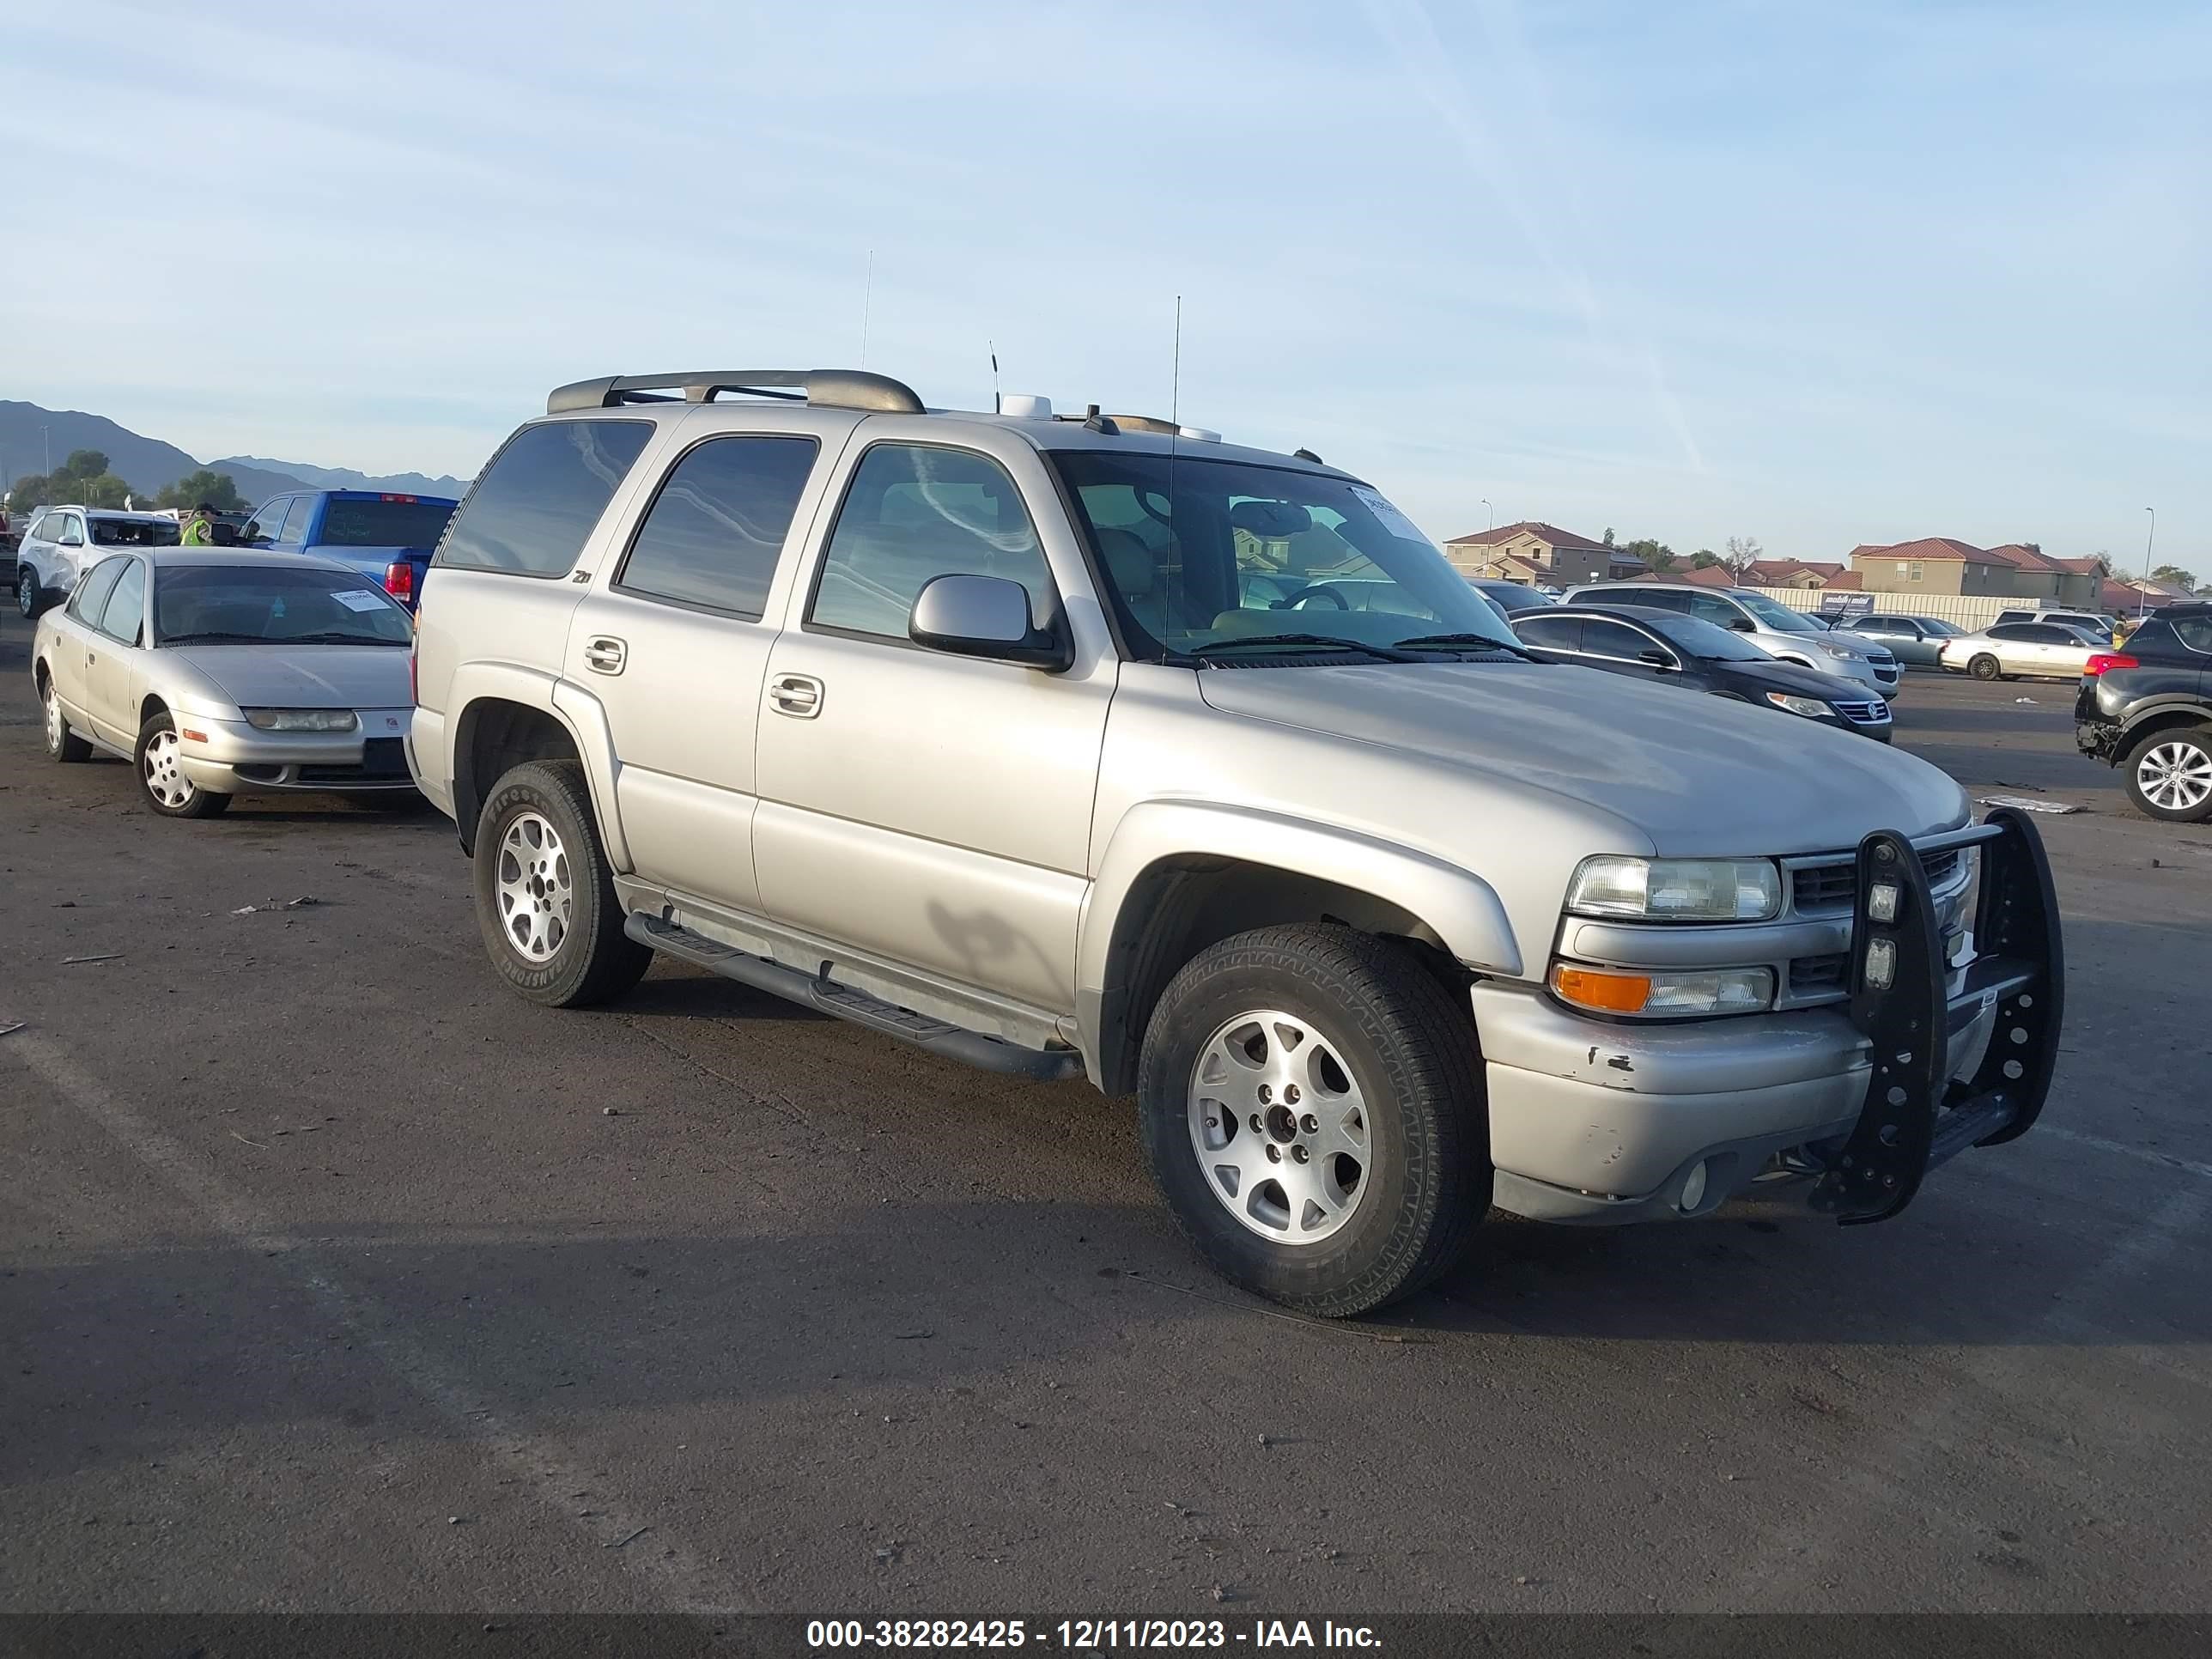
{"type": "Point", "coordinates": [1971, 612]}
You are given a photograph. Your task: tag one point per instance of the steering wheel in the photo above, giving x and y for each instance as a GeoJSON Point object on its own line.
{"type": "Point", "coordinates": [1315, 591]}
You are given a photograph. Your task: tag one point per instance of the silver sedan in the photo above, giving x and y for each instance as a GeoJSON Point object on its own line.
{"type": "Point", "coordinates": [2010, 650]}
{"type": "Point", "coordinates": [219, 672]}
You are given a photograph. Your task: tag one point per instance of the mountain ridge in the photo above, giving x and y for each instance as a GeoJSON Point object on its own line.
{"type": "Point", "coordinates": [30, 433]}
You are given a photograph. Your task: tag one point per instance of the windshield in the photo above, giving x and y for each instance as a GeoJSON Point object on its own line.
{"type": "Point", "coordinates": [1779, 618]}
{"type": "Point", "coordinates": [383, 523]}
{"type": "Point", "coordinates": [1198, 554]}
{"type": "Point", "coordinates": [1701, 639]}
{"type": "Point", "coordinates": [272, 605]}
{"type": "Point", "coordinates": [134, 532]}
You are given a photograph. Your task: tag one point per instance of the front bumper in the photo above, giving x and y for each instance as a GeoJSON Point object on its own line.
{"type": "Point", "coordinates": [230, 757]}
{"type": "Point", "coordinates": [1599, 1121]}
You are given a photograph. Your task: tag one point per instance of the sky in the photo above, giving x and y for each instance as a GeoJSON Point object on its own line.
{"type": "Point", "coordinates": [1813, 274]}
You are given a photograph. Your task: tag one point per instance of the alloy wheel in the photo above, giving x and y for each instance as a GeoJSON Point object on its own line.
{"type": "Point", "coordinates": [1280, 1128]}
{"type": "Point", "coordinates": [165, 773]}
{"type": "Point", "coordinates": [27, 593]}
{"type": "Point", "coordinates": [2175, 777]}
{"type": "Point", "coordinates": [536, 888]}
{"type": "Point", "coordinates": [56, 728]}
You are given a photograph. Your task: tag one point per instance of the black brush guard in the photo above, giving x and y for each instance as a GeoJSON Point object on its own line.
{"type": "Point", "coordinates": [1916, 1116]}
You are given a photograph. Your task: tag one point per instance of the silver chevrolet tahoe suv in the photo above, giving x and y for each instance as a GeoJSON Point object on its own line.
{"type": "Point", "coordinates": [1095, 746]}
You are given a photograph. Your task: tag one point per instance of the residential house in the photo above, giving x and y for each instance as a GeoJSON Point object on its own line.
{"type": "Point", "coordinates": [1535, 552]}
{"type": "Point", "coordinates": [1945, 565]}
{"type": "Point", "coordinates": [1691, 575]}
{"type": "Point", "coordinates": [1790, 573]}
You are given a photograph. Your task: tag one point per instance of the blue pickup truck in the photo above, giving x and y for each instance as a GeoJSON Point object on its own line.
{"type": "Point", "coordinates": [388, 538]}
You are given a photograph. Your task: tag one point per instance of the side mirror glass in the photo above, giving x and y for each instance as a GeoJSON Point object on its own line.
{"type": "Point", "coordinates": [986, 617]}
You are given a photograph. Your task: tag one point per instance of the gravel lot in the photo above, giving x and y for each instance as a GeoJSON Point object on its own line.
{"type": "Point", "coordinates": [330, 1283]}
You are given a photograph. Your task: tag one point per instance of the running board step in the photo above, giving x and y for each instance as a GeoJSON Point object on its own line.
{"type": "Point", "coordinates": [1967, 1126]}
{"type": "Point", "coordinates": [938, 1037]}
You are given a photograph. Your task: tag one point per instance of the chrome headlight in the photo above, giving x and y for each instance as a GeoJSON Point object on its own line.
{"type": "Point", "coordinates": [301, 719]}
{"type": "Point", "coordinates": [1811, 708]}
{"type": "Point", "coordinates": [1677, 890]}
{"type": "Point", "coordinates": [1835, 649]}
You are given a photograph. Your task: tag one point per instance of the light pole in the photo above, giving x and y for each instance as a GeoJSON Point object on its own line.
{"type": "Point", "coordinates": [1492, 511]}
{"type": "Point", "coordinates": [46, 434]}
{"type": "Point", "coordinates": [2150, 541]}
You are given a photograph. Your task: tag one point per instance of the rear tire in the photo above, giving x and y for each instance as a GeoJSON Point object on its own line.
{"type": "Point", "coordinates": [62, 744]}
{"type": "Point", "coordinates": [2169, 775]}
{"type": "Point", "coordinates": [30, 598]}
{"type": "Point", "coordinates": [1320, 1070]}
{"type": "Point", "coordinates": [1983, 667]}
{"type": "Point", "coordinates": [545, 895]}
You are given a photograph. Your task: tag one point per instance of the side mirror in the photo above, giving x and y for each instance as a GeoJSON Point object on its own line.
{"type": "Point", "coordinates": [986, 617]}
{"type": "Point", "coordinates": [1653, 656]}
{"type": "Point", "coordinates": [1744, 625]}
{"type": "Point", "coordinates": [72, 539]}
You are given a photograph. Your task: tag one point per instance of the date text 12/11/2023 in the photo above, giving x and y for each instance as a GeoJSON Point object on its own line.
{"type": "Point", "coordinates": [1083, 1635]}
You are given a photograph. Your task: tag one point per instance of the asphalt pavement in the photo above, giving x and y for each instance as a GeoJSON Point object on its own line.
{"type": "Point", "coordinates": [333, 1278]}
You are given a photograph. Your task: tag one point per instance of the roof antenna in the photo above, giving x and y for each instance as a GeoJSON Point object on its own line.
{"type": "Point", "coordinates": [997, 403]}
{"type": "Point", "coordinates": [867, 300]}
{"type": "Point", "coordinates": [1175, 381]}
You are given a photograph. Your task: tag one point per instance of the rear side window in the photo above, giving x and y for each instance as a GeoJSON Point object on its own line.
{"type": "Point", "coordinates": [914, 512]}
{"type": "Point", "coordinates": [2196, 633]}
{"type": "Point", "coordinates": [124, 616]}
{"type": "Point", "coordinates": [539, 501]}
{"type": "Point", "coordinates": [1602, 637]}
{"type": "Point", "coordinates": [387, 523]}
{"type": "Point", "coordinates": [714, 534]}
{"type": "Point", "coordinates": [2009, 631]}
{"type": "Point", "coordinates": [1550, 633]}
{"type": "Point", "coordinates": [295, 521]}
{"type": "Point", "coordinates": [91, 595]}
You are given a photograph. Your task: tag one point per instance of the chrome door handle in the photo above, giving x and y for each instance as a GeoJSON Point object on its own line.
{"type": "Point", "coordinates": [605, 654]}
{"type": "Point", "coordinates": [799, 695]}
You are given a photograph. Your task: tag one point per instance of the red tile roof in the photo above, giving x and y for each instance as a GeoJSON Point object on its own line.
{"type": "Point", "coordinates": [1768, 570]}
{"type": "Point", "coordinates": [1550, 533]}
{"type": "Point", "coordinates": [2022, 556]}
{"type": "Point", "coordinates": [2087, 567]}
{"type": "Point", "coordinates": [1845, 581]}
{"type": "Point", "coordinates": [1711, 575]}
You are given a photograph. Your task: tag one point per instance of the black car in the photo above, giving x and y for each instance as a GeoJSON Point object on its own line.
{"type": "Point", "coordinates": [2146, 708]}
{"type": "Point", "coordinates": [1512, 597]}
{"type": "Point", "coordinates": [1685, 651]}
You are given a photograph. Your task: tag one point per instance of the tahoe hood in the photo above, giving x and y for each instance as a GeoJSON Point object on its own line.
{"type": "Point", "coordinates": [1699, 774]}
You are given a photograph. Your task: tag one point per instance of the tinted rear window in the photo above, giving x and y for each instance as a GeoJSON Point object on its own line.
{"type": "Point", "coordinates": [134, 532]}
{"type": "Point", "coordinates": [383, 523]}
{"type": "Point", "coordinates": [537, 503]}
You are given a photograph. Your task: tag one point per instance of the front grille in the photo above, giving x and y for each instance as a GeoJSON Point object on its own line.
{"type": "Point", "coordinates": [384, 758]}
{"type": "Point", "coordinates": [1874, 711]}
{"type": "Point", "coordinates": [1817, 889]}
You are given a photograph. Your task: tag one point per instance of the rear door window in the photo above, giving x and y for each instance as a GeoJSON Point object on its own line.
{"type": "Point", "coordinates": [714, 533]}
{"type": "Point", "coordinates": [91, 596]}
{"type": "Point", "coordinates": [1602, 637]}
{"type": "Point", "coordinates": [543, 495]}
{"type": "Point", "coordinates": [1550, 633]}
{"type": "Point", "coordinates": [296, 520]}
{"type": "Point", "coordinates": [124, 616]}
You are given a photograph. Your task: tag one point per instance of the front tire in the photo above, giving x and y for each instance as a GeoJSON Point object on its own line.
{"type": "Point", "coordinates": [1311, 1106]}
{"type": "Point", "coordinates": [545, 895]}
{"type": "Point", "coordinates": [62, 744]}
{"type": "Point", "coordinates": [2169, 775]}
{"type": "Point", "coordinates": [161, 777]}
{"type": "Point", "coordinates": [1983, 667]}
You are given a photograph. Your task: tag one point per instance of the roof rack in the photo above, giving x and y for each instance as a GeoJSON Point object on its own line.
{"type": "Point", "coordinates": [833, 388]}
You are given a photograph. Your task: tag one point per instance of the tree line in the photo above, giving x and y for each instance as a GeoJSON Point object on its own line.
{"type": "Point", "coordinates": [87, 480]}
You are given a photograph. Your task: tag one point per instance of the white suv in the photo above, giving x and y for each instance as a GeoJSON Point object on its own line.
{"type": "Point", "coordinates": [1786, 634]}
{"type": "Point", "coordinates": [66, 541]}
{"type": "Point", "coordinates": [1100, 748]}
